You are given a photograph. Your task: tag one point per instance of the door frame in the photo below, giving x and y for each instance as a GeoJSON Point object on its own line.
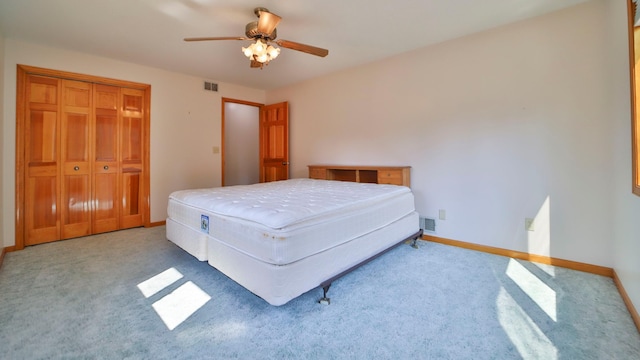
{"type": "Point", "coordinates": [264, 136]}
{"type": "Point", "coordinates": [21, 76]}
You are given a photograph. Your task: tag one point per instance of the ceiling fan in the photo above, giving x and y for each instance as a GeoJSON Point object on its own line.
{"type": "Point", "coordinates": [264, 33]}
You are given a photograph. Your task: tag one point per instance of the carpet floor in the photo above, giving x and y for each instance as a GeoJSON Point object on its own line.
{"type": "Point", "coordinates": [134, 295]}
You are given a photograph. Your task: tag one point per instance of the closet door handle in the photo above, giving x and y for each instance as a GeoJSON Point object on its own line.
{"type": "Point", "coordinates": [76, 168]}
{"type": "Point", "coordinates": [285, 163]}
{"type": "Point", "coordinates": [106, 167]}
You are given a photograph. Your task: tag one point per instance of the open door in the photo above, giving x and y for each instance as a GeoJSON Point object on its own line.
{"type": "Point", "coordinates": [274, 142]}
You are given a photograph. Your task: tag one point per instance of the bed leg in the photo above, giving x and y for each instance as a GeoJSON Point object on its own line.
{"type": "Point", "coordinates": [414, 242]}
{"type": "Point", "coordinates": [325, 300]}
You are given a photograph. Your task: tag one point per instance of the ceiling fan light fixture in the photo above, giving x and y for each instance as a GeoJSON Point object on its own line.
{"type": "Point", "coordinates": [259, 46]}
{"type": "Point", "coordinates": [263, 58]}
{"type": "Point", "coordinates": [273, 51]}
{"type": "Point", "coordinates": [261, 52]}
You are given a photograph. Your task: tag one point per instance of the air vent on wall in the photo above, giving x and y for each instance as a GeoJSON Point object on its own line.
{"type": "Point", "coordinates": [209, 86]}
{"type": "Point", "coordinates": [427, 224]}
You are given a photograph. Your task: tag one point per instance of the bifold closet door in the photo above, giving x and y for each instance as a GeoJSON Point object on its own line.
{"type": "Point", "coordinates": [75, 143]}
{"type": "Point", "coordinates": [82, 153]}
{"type": "Point", "coordinates": [42, 176]}
{"type": "Point", "coordinates": [106, 187]}
{"type": "Point", "coordinates": [132, 146]}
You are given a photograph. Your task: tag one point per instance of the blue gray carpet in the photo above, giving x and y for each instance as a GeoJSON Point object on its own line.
{"type": "Point", "coordinates": [134, 295]}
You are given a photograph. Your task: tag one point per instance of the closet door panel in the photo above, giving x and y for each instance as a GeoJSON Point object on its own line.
{"type": "Point", "coordinates": [76, 170]}
{"type": "Point", "coordinates": [44, 190]}
{"type": "Point", "coordinates": [76, 212]}
{"type": "Point", "coordinates": [41, 213]}
{"type": "Point", "coordinates": [42, 128]}
{"type": "Point", "coordinates": [106, 188]}
{"type": "Point", "coordinates": [132, 140]}
{"type": "Point", "coordinates": [105, 217]}
{"type": "Point", "coordinates": [131, 147]}
{"type": "Point", "coordinates": [42, 184]}
{"type": "Point", "coordinates": [131, 215]}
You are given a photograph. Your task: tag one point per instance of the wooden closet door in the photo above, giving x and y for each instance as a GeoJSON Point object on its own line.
{"type": "Point", "coordinates": [76, 170]}
{"type": "Point", "coordinates": [132, 146]}
{"type": "Point", "coordinates": [106, 187]}
{"type": "Point", "coordinates": [82, 155]}
{"type": "Point", "coordinates": [41, 158]}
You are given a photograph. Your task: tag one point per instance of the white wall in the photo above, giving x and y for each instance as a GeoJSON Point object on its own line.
{"type": "Point", "coordinates": [185, 121]}
{"type": "Point", "coordinates": [499, 126]}
{"type": "Point", "coordinates": [626, 234]}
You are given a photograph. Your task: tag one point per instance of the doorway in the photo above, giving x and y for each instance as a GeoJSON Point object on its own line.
{"type": "Point", "coordinates": [240, 142]}
{"type": "Point", "coordinates": [271, 142]}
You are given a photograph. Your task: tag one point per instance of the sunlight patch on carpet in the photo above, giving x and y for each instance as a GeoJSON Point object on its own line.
{"type": "Point", "coordinates": [536, 289]}
{"type": "Point", "coordinates": [549, 269]}
{"type": "Point", "coordinates": [155, 284]}
{"type": "Point", "coordinates": [523, 332]}
{"type": "Point", "coordinates": [179, 305]}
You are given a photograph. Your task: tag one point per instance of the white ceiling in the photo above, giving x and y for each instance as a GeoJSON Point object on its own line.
{"type": "Point", "coordinates": [151, 32]}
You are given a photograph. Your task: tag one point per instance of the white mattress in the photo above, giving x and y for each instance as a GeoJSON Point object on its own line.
{"type": "Point", "coordinates": [283, 222]}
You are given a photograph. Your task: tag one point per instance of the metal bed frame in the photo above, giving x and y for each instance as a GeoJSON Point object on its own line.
{"type": "Point", "coordinates": [325, 285]}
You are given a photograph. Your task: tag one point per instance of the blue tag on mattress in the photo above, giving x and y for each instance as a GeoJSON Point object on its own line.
{"type": "Point", "coordinates": [204, 223]}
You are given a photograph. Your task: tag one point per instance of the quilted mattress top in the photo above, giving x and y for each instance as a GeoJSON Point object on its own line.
{"type": "Point", "coordinates": [280, 204]}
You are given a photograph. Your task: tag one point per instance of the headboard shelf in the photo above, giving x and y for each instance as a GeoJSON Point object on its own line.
{"type": "Point", "coordinates": [396, 175]}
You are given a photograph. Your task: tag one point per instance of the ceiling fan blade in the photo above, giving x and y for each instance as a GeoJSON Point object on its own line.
{"type": "Point", "coordinates": [267, 22]}
{"type": "Point", "coordinates": [302, 47]}
{"type": "Point", "coordinates": [216, 38]}
{"type": "Point", "coordinates": [256, 64]}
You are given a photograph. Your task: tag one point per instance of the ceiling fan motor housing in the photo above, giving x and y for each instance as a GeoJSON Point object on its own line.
{"type": "Point", "coordinates": [251, 31]}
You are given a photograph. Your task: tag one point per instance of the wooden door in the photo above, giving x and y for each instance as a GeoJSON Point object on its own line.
{"type": "Point", "coordinates": [75, 129]}
{"type": "Point", "coordinates": [82, 155]}
{"type": "Point", "coordinates": [106, 169]}
{"type": "Point", "coordinates": [274, 142]}
{"type": "Point", "coordinates": [41, 159]}
{"type": "Point", "coordinates": [131, 158]}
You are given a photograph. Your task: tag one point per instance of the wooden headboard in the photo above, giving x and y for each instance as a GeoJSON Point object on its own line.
{"type": "Point", "coordinates": [396, 175]}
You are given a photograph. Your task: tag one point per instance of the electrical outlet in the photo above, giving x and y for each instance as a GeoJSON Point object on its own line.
{"type": "Point", "coordinates": [529, 224]}
{"type": "Point", "coordinates": [216, 149]}
{"type": "Point", "coordinates": [442, 214]}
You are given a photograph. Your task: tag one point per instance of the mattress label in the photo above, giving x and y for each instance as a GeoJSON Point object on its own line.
{"type": "Point", "coordinates": [204, 223]}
